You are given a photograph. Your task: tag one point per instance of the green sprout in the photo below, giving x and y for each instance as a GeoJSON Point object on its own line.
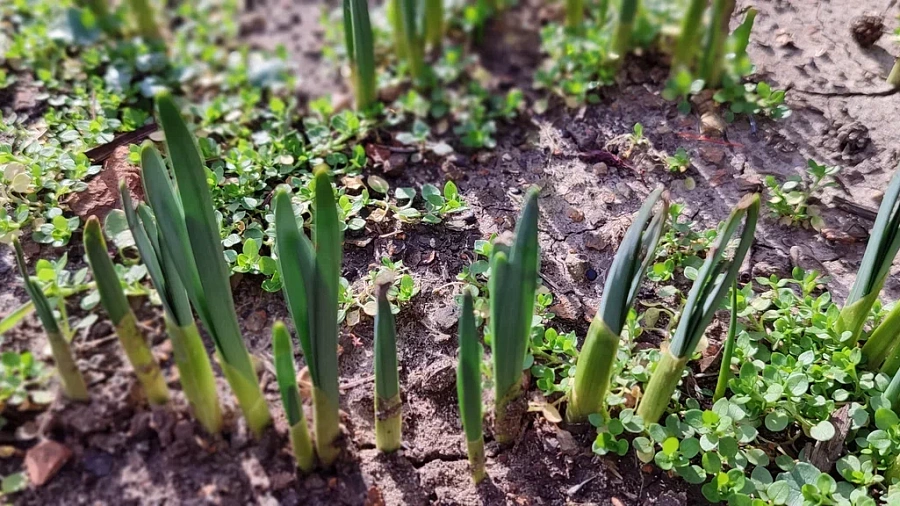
{"type": "Point", "coordinates": [194, 368]}
{"type": "Point", "coordinates": [116, 305]}
{"type": "Point", "coordinates": [187, 222]}
{"type": "Point", "coordinates": [597, 358]}
{"type": "Point", "coordinates": [688, 39]}
{"type": "Point", "coordinates": [728, 349]}
{"type": "Point", "coordinates": [70, 377]}
{"type": "Point", "coordinates": [873, 271]}
{"type": "Point", "coordinates": [679, 162]}
{"type": "Point", "coordinates": [145, 19]}
{"type": "Point", "coordinates": [434, 23]}
{"type": "Point", "coordinates": [512, 286]}
{"type": "Point", "coordinates": [412, 39]}
{"type": "Point", "coordinates": [894, 77]}
{"type": "Point", "coordinates": [468, 387]}
{"type": "Point", "coordinates": [712, 61]}
{"type": "Point", "coordinates": [713, 280]}
{"type": "Point", "coordinates": [311, 273]}
{"type": "Point", "coordinates": [283, 352]}
{"type": "Point", "coordinates": [574, 14]}
{"type": "Point", "coordinates": [621, 42]}
{"type": "Point", "coordinates": [361, 51]}
{"type": "Point", "coordinates": [388, 406]}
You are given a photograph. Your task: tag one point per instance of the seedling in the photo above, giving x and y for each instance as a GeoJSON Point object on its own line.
{"type": "Point", "coordinates": [513, 283]}
{"type": "Point", "coordinates": [727, 348]}
{"type": "Point", "coordinates": [621, 42]}
{"type": "Point", "coordinates": [876, 262]}
{"type": "Point", "coordinates": [360, 49]}
{"type": "Point", "coordinates": [388, 406]}
{"type": "Point", "coordinates": [713, 281]}
{"type": "Point", "coordinates": [187, 223]}
{"type": "Point", "coordinates": [283, 352]}
{"type": "Point", "coordinates": [194, 369]}
{"type": "Point", "coordinates": [679, 162]}
{"type": "Point", "coordinates": [599, 352]}
{"type": "Point", "coordinates": [116, 305]}
{"type": "Point", "coordinates": [789, 202]}
{"type": "Point", "coordinates": [468, 387]}
{"type": "Point", "coordinates": [311, 272]}
{"type": "Point", "coordinates": [21, 371]}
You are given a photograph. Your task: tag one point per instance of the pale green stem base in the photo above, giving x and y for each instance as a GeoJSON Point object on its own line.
{"type": "Point", "coordinates": [476, 459]}
{"type": "Point", "coordinates": [393, 15]}
{"type": "Point", "coordinates": [73, 384]}
{"type": "Point", "coordinates": [327, 427]}
{"type": "Point", "coordinates": [592, 373]}
{"type": "Point", "coordinates": [879, 345]}
{"type": "Point", "coordinates": [249, 396]}
{"type": "Point", "coordinates": [574, 14]}
{"type": "Point", "coordinates": [145, 18]}
{"type": "Point", "coordinates": [388, 424]}
{"type": "Point", "coordinates": [892, 363]}
{"type": "Point", "coordinates": [894, 77]}
{"type": "Point", "coordinates": [142, 360]}
{"type": "Point", "coordinates": [661, 387]}
{"type": "Point", "coordinates": [434, 23]}
{"type": "Point", "coordinates": [196, 375]}
{"type": "Point", "coordinates": [303, 447]}
{"type": "Point", "coordinates": [687, 46]}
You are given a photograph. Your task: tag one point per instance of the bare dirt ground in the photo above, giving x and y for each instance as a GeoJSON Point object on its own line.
{"type": "Point", "coordinates": [125, 453]}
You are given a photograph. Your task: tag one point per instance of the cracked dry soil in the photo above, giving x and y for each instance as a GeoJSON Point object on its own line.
{"type": "Point", "coordinates": [126, 453]}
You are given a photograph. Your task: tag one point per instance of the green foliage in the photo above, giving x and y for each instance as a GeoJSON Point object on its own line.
{"type": "Point", "coordinates": [311, 272]}
{"type": "Point", "coordinates": [12, 483]}
{"type": "Point", "coordinates": [23, 380]}
{"type": "Point", "coordinates": [551, 354]}
{"type": "Point", "coordinates": [789, 201]}
{"type": "Point", "coordinates": [680, 249]}
{"type": "Point", "coordinates": [679, 162]}
{"type": "Point", "coordinates": [514, 277]}
{"type": "Point", "coordinates": [360, 48]}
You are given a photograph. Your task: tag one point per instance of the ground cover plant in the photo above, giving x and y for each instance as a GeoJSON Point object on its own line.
{"type": "Point", "coordinates": [489, 302]}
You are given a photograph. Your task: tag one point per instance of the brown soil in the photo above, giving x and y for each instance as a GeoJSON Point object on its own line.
{"type": "Point", "coordinates": [126, 453]}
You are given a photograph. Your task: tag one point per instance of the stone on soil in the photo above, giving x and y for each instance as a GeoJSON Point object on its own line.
{"type": "Point", "coordinates": [44, 460]}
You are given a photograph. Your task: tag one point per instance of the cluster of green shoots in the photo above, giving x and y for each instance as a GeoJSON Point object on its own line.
{"type": "Point", "coordinates": [585, 53]}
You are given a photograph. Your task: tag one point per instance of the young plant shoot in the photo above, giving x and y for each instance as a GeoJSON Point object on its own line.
{"type": "Point", "coordinates": [894, 77]}
{"type": "Point", "coordinates": [70, 377]}
{"type": "Point", "coordinates": [188, 225]}
{"type": "Point", "coordinates": [713, 281]}
{"type": "Point", "coordinates": [873, 271]}
{"type": "Point", "coordinates": [712, 61]}
{"type": "Point", "coordinates": [597, 357]}
{"type": "Point", "coordinates": [361, 51]}
{"type": "Point", "coordinates": [574, 15]}
{"type": "Point", "coordinates": [468, 387]}
{"type": "Point", "coordinates": [388, 407]}
{"type": "Point", "coordinates": [145, 20]}
{"type": "Point", "coordinates": [413, 39]}
{"type": "Point", "coordinates": [434, 23]}
{"type": "Point", "coordinates": [621, 42]}
{"type": "Point", "coordinates": [194, 368]}
{"type": "Point", "coordinates": [116, 305]}
{"type": "Point", "coordinates": [728, 349]}
{"type": "Point", "coordinates": [687, 47]}
{"type": "Point", "coordinates": [283, 351]}
{"type": "Point", "coordinates": [513, 283]}
{"type": "Point", "coordinates": [311, 271]}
